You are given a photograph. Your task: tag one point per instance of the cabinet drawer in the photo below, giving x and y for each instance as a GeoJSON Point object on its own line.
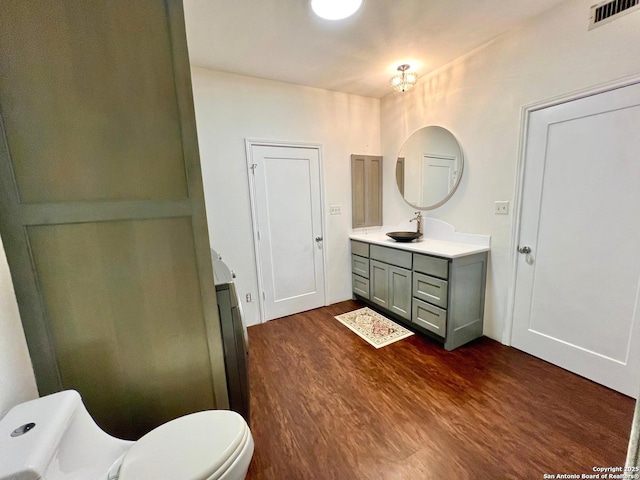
{"type": "Point", "coordinates": [429, 317]}
{"type": "Point", "coordinates": [360, 248]}
{"type": "Point", "coordinates": [400, 258]}
{"type": "Point", "coordinates": [360, 266]}
{"type": "Point", "coordinates": [430, 289]}
{"type": "Point", "coordinates": [360, 286]}
{"type": "Point", "coordinates": [437, 267]}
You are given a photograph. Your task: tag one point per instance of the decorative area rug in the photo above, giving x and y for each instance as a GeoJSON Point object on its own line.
{"type": "Point", "coordinates": [372, 327]}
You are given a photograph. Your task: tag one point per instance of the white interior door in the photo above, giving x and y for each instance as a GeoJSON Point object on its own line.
{"type": "Point", "coordinates": [288, 218]}
{"type": "Point", "coordinates": [438, 177]}
{"type": "Point", "coordinates": [576, 295]}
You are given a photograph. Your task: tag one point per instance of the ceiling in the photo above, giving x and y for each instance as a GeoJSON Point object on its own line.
{"type": "Point", "coordinates": [283, 40]}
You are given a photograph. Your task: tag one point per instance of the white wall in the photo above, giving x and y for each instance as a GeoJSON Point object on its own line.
{"type": "Point", "coordinates": [479, 98]}
{"type": "Point", "coordinates": [231, 108]}
{"type": "Point", "coordinates": [17, 383]}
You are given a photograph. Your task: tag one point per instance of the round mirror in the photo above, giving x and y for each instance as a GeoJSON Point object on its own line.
{"type": "Point", "coordinates": [429, 167]}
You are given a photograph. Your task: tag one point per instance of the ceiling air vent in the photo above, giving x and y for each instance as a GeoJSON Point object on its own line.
{"type": "Point", "coordinates": [605, 12]}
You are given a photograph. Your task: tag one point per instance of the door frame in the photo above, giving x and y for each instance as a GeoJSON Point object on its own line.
{"type": "Point", "coordinates": [249, 144]}
{"type": "Point", "coordinates": [525, 114]}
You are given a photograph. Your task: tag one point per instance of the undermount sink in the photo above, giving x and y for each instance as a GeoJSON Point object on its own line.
{"type": "Point", "coordinates": [404, 236]}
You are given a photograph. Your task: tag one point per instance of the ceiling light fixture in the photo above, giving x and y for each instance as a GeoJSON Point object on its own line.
{"type": "Point", "coordinates": [335, 9]}
{"type": "Point", "coordinates": [404, 80]}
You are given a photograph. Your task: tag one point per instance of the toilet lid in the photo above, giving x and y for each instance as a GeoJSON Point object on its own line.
{"type": "Point", "coordinates": [199, 446]}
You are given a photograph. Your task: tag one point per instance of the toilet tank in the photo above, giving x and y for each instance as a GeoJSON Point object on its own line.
{"type": "Point", "coordinates": [55, 438]}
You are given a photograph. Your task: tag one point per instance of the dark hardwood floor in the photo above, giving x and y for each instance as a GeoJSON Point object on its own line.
{"type": "Point", "coordinates": [326, 405]}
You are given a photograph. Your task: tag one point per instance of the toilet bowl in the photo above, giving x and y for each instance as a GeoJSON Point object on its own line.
{"type": "Point", "coordinates": [55, 438]}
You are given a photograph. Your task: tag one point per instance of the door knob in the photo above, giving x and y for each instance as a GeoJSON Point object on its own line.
{"type": "Point", "coordinates": [318, 239]}
{"type": "Point", "coordinates": [525, 249]}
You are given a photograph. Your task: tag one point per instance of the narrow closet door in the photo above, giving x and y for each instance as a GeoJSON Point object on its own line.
{"type": "Point", "coordinates": [102, 210]}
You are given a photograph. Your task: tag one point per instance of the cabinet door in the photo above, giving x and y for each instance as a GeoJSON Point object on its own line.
{"type": "Point", "coordinates": [358, 182]}
{"type": "Point", "coordinates": [366, 190]}
{"type": "Point", "coordinates": [399, 288]}
{"type": "Point", "coordinates": [379, 283]}
{"type": "Point", "coordinates": [373, 191]}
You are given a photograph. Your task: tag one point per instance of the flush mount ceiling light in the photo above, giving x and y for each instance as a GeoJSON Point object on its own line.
{"type": "Point", "coordinates": [335, 9]}
{"type": "Point", "coordinates": [404, 80]}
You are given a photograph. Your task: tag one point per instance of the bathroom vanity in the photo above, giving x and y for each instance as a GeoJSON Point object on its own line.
{"type": "Point", "coordinates": [435, 285]}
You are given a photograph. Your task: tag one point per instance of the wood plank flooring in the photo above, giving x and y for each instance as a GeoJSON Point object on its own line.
{"type": "Point", "coordinates": [327, 405]}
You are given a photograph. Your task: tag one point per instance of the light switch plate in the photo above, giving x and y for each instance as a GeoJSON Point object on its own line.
{"type": "Point", "coordinates": [335, 210]}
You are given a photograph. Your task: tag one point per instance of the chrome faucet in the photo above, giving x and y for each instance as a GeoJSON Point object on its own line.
{"type": "Point", "coordinates": [418, 219]}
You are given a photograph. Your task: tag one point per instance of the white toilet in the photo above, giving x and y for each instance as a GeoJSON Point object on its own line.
{"type": "Point", "coordinates": [55, 438]}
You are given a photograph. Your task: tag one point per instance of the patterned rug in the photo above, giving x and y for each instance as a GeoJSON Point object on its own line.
{"type": "Point", "coordinates": [376, 329]}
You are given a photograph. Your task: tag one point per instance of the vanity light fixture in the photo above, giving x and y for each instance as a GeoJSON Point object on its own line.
{"type": "Point", "coordinates": [335, 9]}
{"type": "Point", "coordinates": [404, 80]}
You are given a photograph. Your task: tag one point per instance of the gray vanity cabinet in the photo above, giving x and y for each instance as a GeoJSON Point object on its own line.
{"type": "Point", "coordinates": [441, 297]}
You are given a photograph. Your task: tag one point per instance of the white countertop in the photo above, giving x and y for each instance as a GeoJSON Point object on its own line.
{"type": "Point", "coordinates": [430, 246]}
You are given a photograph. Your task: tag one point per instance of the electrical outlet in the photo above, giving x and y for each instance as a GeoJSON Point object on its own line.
{"type": "Point", "coordinates": [335, 210]}
{"type": "Point", "coordinates": [501, 208]}
{"type": "Point", "coordinates": [248, 297]}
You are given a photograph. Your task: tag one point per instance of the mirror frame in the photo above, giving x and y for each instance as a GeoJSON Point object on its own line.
{"type": "Point", "coordinates": [455, 185]}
